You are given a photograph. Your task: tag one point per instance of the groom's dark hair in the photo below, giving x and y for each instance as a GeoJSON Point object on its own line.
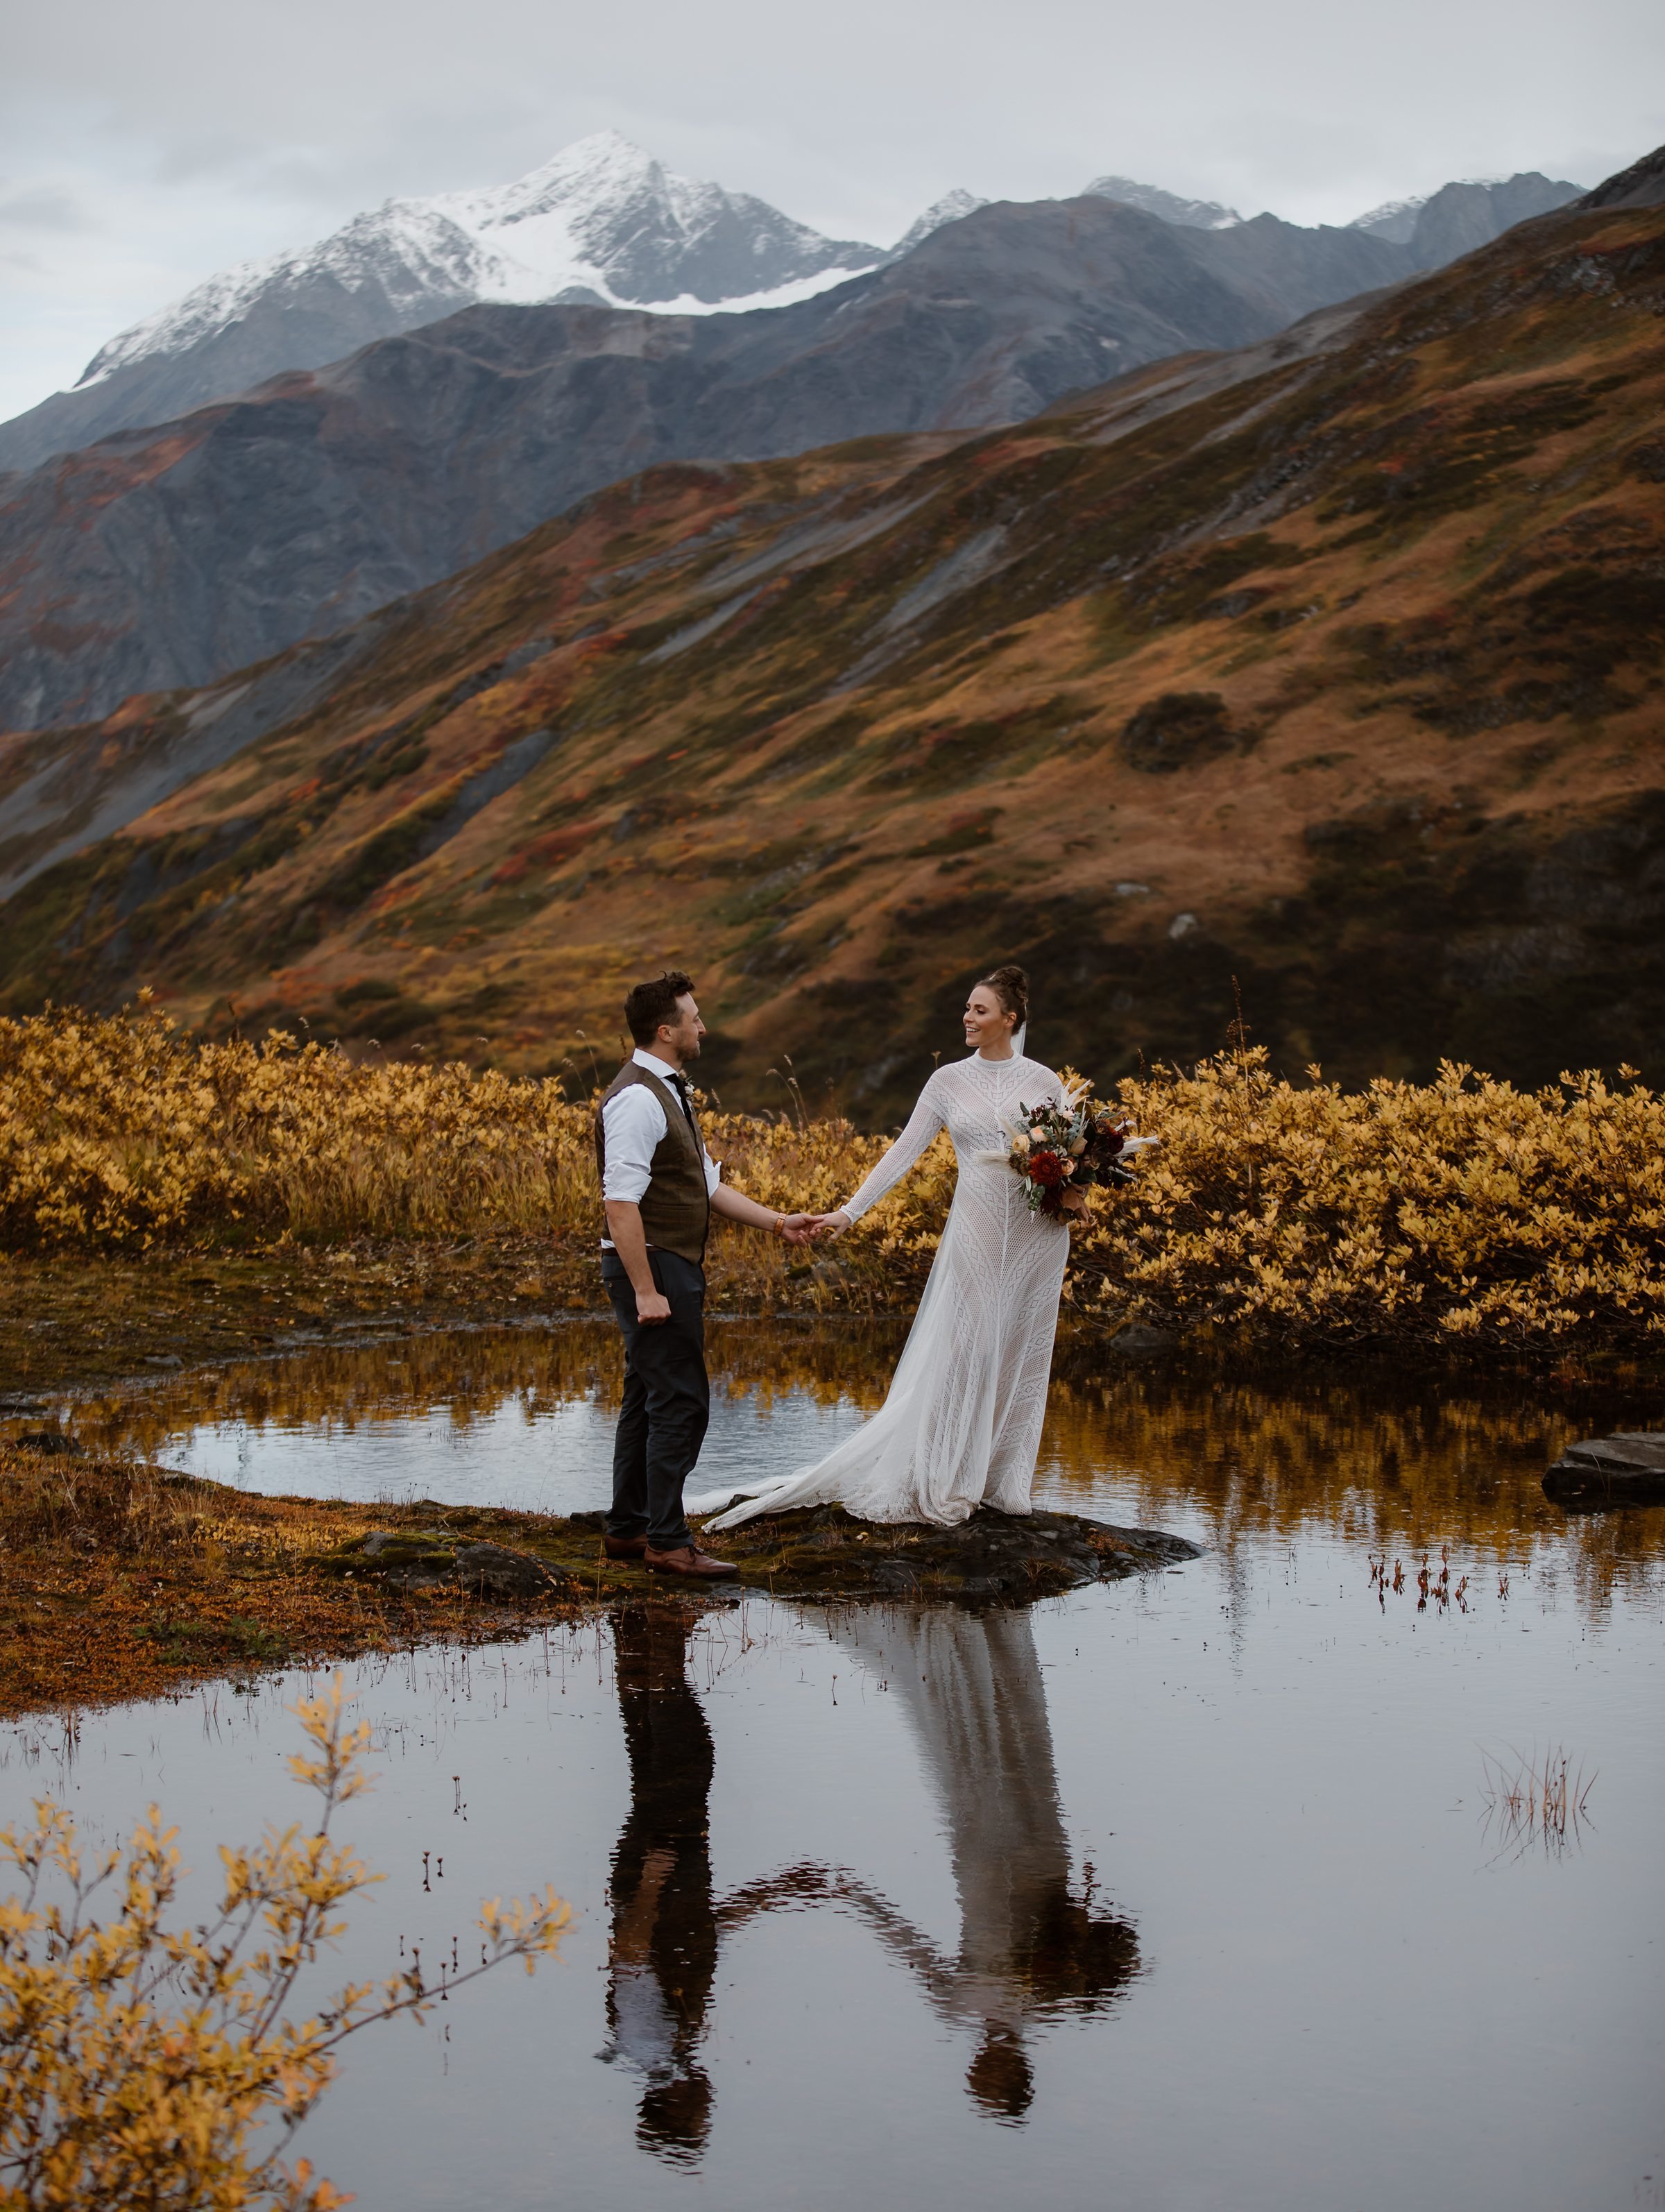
{"type": "Point", "coordinates": [650, 1004]}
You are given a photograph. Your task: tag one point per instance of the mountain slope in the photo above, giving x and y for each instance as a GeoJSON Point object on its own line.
{"type": "Point", "coordinates": [603, 223]}
{"type": "Point", "coordinates": [1339, 671]}
{"type": "Point", "coordinates": [173, 556]}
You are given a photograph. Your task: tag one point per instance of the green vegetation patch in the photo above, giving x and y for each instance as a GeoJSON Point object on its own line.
{"type": "Point", "coordinates": [184, 1642]}
{"type": "Point", "coordinates": [938, 756]}
{"type": "Point", "coordinates": [964, 834]}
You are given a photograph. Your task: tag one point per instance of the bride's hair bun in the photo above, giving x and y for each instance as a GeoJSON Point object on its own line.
{"type": "Point", "coordinates": [1011, 986]}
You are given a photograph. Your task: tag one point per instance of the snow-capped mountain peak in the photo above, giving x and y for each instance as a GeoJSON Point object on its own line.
{"type": "Point", "coordinates": [594, 170]}
{"type": "Point", "coordinates": [1464, 213]}
{"type": "Point", "coordinates": [602, 220]}
{"type": "Point", "coordinates": [949, 208]}
{"type": "Point", "coordinates": [1190, 215]}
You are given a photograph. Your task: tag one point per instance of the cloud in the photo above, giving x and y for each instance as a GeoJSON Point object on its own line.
{"type": "Point", "coordinates": [42, 207]}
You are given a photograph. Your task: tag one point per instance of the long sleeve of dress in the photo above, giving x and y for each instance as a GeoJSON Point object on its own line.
{"type": "Point", "coordinates": [923, 1124]}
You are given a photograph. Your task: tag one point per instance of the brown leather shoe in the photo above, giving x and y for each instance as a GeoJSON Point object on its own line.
{"type": "Point", "coordinates": [623, 1547]}
{"type": "Point", "coordinates": [689, 1560]}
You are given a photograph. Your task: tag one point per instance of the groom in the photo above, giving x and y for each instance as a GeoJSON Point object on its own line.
{"type": "Point", "coordinates": [661, 1187]}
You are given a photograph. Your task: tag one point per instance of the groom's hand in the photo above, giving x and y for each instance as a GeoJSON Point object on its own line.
{"type": "Point", "coordinates": [798, 1228]}
{"type": "Point", "coordinates": [652, 1306]}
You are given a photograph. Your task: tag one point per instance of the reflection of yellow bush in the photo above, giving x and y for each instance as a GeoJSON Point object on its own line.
{"type": "Point", "coordinates": [138, 2059]}
{"type": "Point", "coordinates": [1460, 1212]}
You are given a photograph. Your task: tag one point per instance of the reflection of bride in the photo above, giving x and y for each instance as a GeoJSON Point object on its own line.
{"type": "Point", "coordinates": [962, 1423]}
{"type": "Point", "coordinates": [1029, 1949]}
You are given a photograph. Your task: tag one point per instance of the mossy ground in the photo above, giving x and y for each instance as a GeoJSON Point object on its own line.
{"type": "Point", "coordinates": [124, 1581]}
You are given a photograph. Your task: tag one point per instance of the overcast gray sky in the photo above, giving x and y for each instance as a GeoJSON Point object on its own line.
{"type": "Point", "coordinates": [146, 146]}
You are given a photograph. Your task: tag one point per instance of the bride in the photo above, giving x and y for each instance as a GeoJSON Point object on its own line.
{"type": "Point", "coordinates": [962, 1423]}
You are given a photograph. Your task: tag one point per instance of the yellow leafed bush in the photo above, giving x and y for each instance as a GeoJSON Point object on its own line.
{"type": "Point", "coordinates": [1461, 1212]}
{"type": "Point", "coordinates": [149, 2067]}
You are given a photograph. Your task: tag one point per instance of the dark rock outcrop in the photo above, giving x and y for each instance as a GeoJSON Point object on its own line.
{"type": "Point", "coordinates": [1609, 1471]}
{"type": "Point", "coordinates": [1643, 185]}
{"type": "Point", "coordinates": [1137, 1339]}
{"type": "Point", "coordinates": [822, 1552]}
{"type": "Point", "coordinates": [424, 1560]}
{"type": "Point", "coordinates": [819, 1552]}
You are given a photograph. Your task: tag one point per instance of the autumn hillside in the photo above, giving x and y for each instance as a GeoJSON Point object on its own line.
{"type": "Point", "coordinates": [1334, 667]}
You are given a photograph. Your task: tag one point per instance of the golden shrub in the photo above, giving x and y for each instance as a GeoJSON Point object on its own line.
{"type": "Point", "coordinates": [1459, 1211]}
{"type": "Point", "coordinates": [1462, 1210]}
{"type": "Point", "coordinates": [144, 2065]}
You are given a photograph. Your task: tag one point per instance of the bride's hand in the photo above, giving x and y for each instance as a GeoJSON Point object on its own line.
{"type": "Point", "coordinates": [830, 1224]}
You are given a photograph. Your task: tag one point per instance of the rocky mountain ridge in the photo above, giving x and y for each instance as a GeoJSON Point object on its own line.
{"type": "Point", "coordinates": [604, 224]}
{"type": "Point", "coordinates": [172, 556]}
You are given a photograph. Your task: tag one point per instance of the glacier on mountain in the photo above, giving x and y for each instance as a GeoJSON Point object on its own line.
{"type": "Point", "coordinates": [603, 220]}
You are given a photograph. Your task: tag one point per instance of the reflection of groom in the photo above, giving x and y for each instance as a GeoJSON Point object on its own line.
{"type": "Point", "coordinates": [660, 1187]}
{"type": "Point", "coordinates": [664, 1949]}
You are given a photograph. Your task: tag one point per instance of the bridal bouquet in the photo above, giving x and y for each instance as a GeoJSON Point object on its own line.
{"type": "Point", "coordinates": [1073, 1146]}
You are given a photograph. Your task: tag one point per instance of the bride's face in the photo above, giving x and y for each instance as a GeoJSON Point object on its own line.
{"type": "Point", "coordinates": [988, 1026]}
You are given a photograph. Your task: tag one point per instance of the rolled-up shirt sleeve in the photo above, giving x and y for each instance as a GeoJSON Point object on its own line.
{"type": "Point", "coordinates": [633, 1121]}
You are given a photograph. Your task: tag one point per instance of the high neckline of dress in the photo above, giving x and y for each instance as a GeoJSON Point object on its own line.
{"type": "Point", "coordinates": [997, 1067]}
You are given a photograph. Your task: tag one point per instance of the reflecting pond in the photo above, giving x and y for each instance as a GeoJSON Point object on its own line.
{"type": "Point", "coordinates": [1197, 1892]}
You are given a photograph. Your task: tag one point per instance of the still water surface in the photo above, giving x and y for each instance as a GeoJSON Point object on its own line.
{"type": "Point", "coordinates": [1182, 1893]}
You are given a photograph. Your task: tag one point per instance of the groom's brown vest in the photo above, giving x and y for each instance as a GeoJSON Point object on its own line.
{"type": "Point", "coordinates": [676, 1206]}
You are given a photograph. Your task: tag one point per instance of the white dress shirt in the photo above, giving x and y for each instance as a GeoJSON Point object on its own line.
{"type": "Point", "coordinates": [633, 1121]}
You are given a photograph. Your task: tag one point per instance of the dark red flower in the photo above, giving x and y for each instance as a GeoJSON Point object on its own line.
{"type": "Point", "coordinates": [1046, 1168]}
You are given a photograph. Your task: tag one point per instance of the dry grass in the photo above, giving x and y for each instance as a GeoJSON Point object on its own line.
{"type": "Point", "coordinates": [1460, 1214]}
{"type": "Point", "coordinates": [118, 1580]}
{"type": "Point", "coordinates": [1536, 1798]}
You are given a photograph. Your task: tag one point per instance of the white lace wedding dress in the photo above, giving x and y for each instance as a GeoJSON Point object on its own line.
{"type": "Point", "coordinates": [962, 1423]}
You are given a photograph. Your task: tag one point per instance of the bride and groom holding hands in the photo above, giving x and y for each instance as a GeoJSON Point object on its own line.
{"type": "Point", "coordinates": [961, 1425]}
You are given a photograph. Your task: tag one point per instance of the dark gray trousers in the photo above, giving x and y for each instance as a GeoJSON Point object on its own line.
{"type": "Point", "coordinates": [667, 1401]}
